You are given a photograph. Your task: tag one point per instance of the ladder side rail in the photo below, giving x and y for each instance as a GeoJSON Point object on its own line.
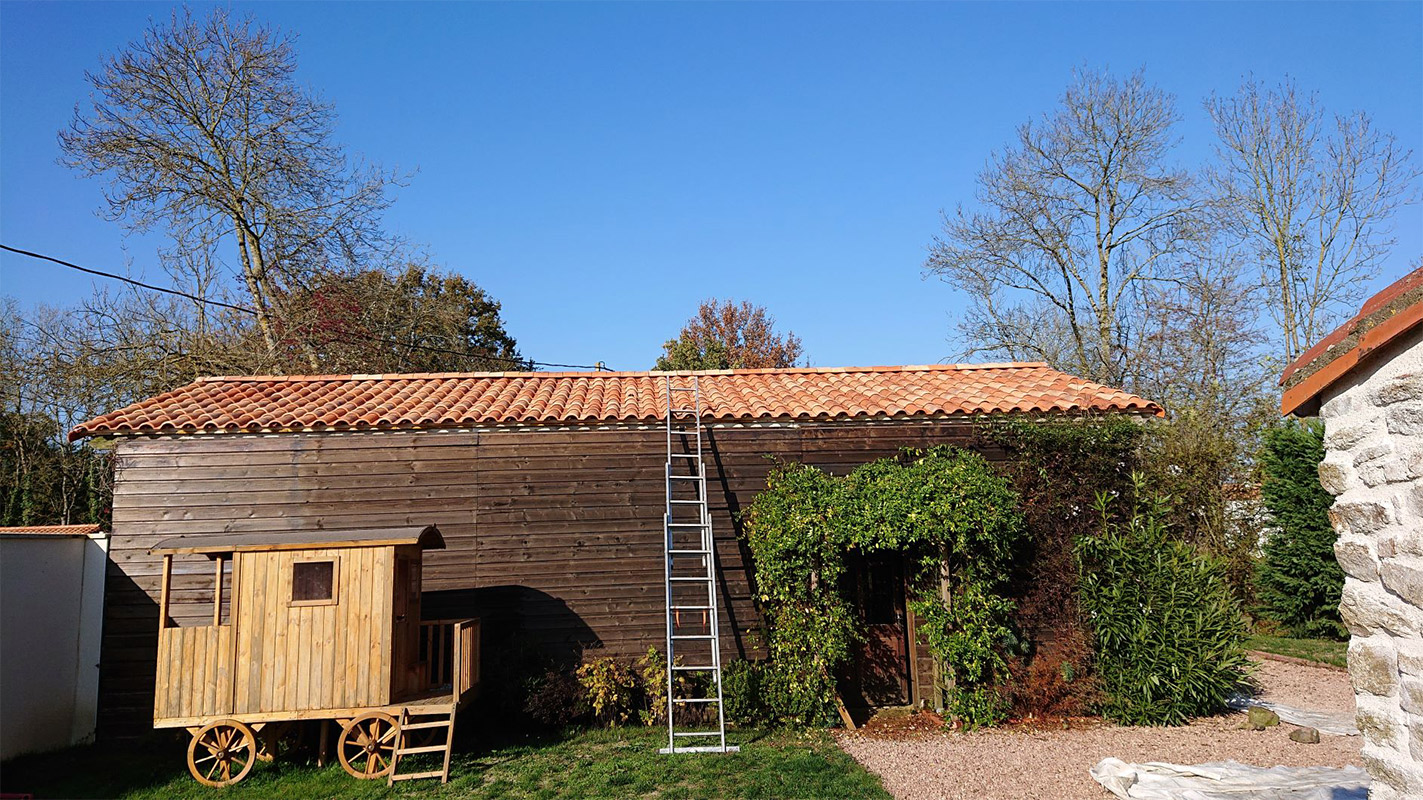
{"type": "Point", "coordinates": [667, 545]}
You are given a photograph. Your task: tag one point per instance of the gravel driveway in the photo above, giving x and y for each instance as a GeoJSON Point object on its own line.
{"type": "Point", "coordinates": [1053, 764]}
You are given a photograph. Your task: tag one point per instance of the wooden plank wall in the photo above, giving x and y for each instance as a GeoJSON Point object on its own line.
{"type": "Point", "coordinates": [552, 537]}
{"type": "Point", "coordinates": [295, 658]}
{"type": "Point", "coordinates": [195, 669]}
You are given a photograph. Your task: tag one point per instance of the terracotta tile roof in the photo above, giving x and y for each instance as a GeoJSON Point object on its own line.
{"type": "Point", "coordinates": [53, 530]}
{"type": "Point", "coordinates": [455, 400]}
{"type": "Point", "coordinates": [1386, 316]}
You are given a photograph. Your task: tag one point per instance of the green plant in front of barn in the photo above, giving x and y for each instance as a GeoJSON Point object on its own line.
{"type": "Point", "coordinates": [1299, 580]}
{"type": "Point", "coordinates": [742, 690]}
{"type": "Point", "coordinates": [614, 690]}
{"type": "Point", "coordinates": [1168, 632]}
{"type": "Point", "coordinates": [959, 520]}
{"type": "Point", "coordinates": [798, 541]}
{"type": "Point", "coordinates": [946, 509]}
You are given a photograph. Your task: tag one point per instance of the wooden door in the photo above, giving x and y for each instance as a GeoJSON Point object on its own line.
{"type": "Point", "coordinates": [879, 671]}
{"type": "Point", "coordinates": [409, 671]}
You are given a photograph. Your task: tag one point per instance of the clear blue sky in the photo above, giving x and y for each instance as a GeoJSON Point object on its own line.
{"type": "Point", "coordinates": [600, 168]}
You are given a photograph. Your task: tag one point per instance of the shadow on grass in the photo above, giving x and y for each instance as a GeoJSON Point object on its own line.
{"type": "Point", "coordinates": [487, 763]}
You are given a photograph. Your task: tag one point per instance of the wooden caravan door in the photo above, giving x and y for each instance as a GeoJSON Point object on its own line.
{"type": "Point", "coordinates": [409, 671]}
{"type": "Point", "coordinates": [879, 670]}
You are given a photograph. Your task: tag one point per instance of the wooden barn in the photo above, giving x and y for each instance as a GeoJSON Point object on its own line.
{"type": "Point", "coordinates": [548, 489]}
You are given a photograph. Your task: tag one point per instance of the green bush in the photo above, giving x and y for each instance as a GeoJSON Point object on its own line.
{"type": "Point", "coordinates": [945, 508]}
{"type": "Point", "coordinates": [1299, 581]}
{"type": "Point", "coordinates": [1168, 632]}
{"type": "Point", "coordinates": [614, 690]}
{"type": "Point", "coordinates": [741, 692]}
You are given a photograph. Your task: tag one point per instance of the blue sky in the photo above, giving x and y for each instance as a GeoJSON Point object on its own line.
{"type": "Point", "coordinates": [600, 168]}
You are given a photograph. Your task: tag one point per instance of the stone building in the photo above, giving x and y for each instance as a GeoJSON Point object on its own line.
{"type": "Point", "coordinates": [1365, 381]}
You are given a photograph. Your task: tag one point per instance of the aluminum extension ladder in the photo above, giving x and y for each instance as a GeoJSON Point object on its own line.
{"type": "Point", "coordinates": [689, 558]}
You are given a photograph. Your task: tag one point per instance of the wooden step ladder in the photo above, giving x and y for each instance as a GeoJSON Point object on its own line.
{"type": "Point", "coordinates": [419, 721]}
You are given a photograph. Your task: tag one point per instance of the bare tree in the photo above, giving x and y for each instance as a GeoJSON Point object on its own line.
{"type": "Point", "coordinates": [1312, 196]}
{"type": "Point", "coordinates": [203, 131]}
{"type": "Point", "coordinates": [728, 335]}
{"type": "Point", "coordinates": [1074, 217]}
{"type": "Point", "coordinates": [1201, 350]}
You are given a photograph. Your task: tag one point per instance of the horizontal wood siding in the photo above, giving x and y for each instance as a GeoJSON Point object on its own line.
{"type": "Point", "coordinates": [552, 537]}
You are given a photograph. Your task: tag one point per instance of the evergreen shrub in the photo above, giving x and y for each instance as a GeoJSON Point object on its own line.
{"type": "Point", "coordinates": [1298, 581]}
{"type": "Point", "coordinates": [1168, 631]}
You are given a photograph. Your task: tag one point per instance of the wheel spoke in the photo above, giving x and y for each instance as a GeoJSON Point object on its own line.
{"type": "Point", "coordinates": [389, 733]}
{"type": "Point", "coordinates": [216, 765]}
{"type": "Point", "coordinates": [204, 760]}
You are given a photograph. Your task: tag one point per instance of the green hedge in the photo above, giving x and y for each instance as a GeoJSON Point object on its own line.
{"type": "Point", "coordinates": [1298, 582]}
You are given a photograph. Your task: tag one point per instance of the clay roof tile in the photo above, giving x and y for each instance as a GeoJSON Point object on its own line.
{"type": "Point", "coordinates": [325, 402]}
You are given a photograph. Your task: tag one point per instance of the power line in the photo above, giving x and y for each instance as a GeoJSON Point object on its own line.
{"type": "Point", "coordinates": [128, 280]}
{"type": "Point", "coordinates": [245, 310]}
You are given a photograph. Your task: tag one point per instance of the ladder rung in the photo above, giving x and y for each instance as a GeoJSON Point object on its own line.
{"type": "Point", "coordinates": [692, 636]}
{"type": "Point", "coordinates": [687, 734]}
{"type": "Point", "coordinates": [682, 388]}
{"type": "Point", "coordinates": [689, 552]}
{"type": "Point", "coordinates": [730, 748]}
{"type": "Point", "coordinates": [433, 748]}
{"type": "Point", "coordinates": [696, 699]}
{"type": "Point", "coordinates": [693, 667]}
{"type": "Point", "coordinates": [686, 502]}
{"type": "Point", "coordinates": [680, 579]}
{"type": "Point", "coordinates": [411, 776]}
{"type": "Point", "coordinates": [416, 726]}
{"type": "Point", "coordinates": [690, 608]}
{"type": "Point", "coordinates": [687, 524]}
{"type": "Point", "coordinates": [685, 477]}
{"type": "Point", "coordinates": [684, 455]}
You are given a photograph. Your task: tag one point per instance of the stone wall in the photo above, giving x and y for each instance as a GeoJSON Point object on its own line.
{"type": "Point", "coordinates": [1373, 466]}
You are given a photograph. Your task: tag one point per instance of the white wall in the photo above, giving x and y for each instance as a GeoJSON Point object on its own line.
{"type": "Point", "coordinates": [1373, 465]}
{"type": "Point", "coordinates": [51, 618]}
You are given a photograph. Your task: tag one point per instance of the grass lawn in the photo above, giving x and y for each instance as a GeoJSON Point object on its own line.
{"type": "Point", "coordinates": [599, 763]}
{"type": "Point", "coordinates": [1324, 651]}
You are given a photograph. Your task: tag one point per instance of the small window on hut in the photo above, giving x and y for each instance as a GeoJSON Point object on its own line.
{"type": "Point", "coordinates": [313, 583]}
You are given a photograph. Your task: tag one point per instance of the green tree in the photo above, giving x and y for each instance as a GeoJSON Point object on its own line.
{"type": "Point", "coordinates": [1299, 581]}
{"type": "Point", "coordinates": [417, 320]}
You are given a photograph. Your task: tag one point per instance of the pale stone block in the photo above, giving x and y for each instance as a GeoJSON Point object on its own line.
{"type": "Point", "coordinates": [1410, 656]}
{"type": "Point", "coordinates": [1335, 474]}
{"type": "Point", "coordinates": [1360, 516]}
{"type": "Point", "coordinates": [1404, 578]}
{"type": "Point", "coordinates": [1405, 420]}
{"type": "Point", "coordinates": [1397, 389]}
{"type": "Point", "coordinates": [1368, 609]}
{"type": "Point", "coordinates": [1356, 558]}
{"type": "Point", "coordinates": [1348, 433]}
{"type": "Point", "coordinates": [1373, 666]}
{"type": "Point", "coordinates": [1410, 695]}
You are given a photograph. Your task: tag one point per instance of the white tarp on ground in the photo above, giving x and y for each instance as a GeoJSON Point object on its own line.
{"type": "Point", "coordinates": [1229, 780]}
{"type": "Point", "coordinates": [1338, 723]}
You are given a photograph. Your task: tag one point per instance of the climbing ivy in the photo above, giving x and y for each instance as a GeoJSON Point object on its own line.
{"type": "Point", "coordinates": [956, 520]}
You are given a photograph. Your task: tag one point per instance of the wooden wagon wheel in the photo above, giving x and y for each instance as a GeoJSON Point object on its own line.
{"type": "Point", "coordinates": [222, 753]}
{"type": "Point", "coordinates": [367, 745]}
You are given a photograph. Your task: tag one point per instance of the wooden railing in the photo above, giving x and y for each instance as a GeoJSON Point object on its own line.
{"type": "Point", "coordinates": [449, 648]}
